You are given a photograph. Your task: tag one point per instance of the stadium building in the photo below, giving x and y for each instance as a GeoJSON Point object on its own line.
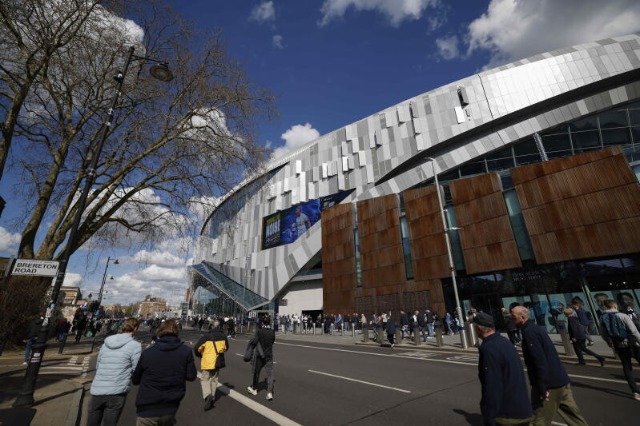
{"type": "Point", "coordinates": [537, 166]}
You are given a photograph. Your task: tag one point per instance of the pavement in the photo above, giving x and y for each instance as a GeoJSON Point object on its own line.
{"type": "Point", "coordinates": [59, 401]}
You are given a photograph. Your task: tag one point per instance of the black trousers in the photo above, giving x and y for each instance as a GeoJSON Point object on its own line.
{"type": "Point", "coordinates": [580, 346]}
{"type": "Point", "coordinates": [625, 355]}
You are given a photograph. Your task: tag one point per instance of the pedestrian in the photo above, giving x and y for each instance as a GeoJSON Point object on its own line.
{"type": "Point", "coordinates": [262, 357]}
{"type": "Point", "coordinates": [505, 398]}
{"type": "Point", "coordinates": [621, 334]}
{"type": "Point", "coordinates": [510, 326]}
{"type": "Point", "coordinates": [117, 359]}
{"type": "Point", "coordinates": [32, 336]}
{"type": "Point", "coordinates": [162, 373]}
{"type": "Point", "coordinates": [211, 348]}
{"type": "Point", "coordinates": [584, 317]}
{"type": "Point", "coordinates": [391, 330]}
{"type": "Point", "coordinates": [579, 338]}
{"type": "Point", "coordinates": [550, 387]}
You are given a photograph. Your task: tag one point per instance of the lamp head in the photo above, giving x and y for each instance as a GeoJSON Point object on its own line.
{"type": "Point", "coordinates": [115, 262]}
{"type": "Point", "coordinates": [161, 72]}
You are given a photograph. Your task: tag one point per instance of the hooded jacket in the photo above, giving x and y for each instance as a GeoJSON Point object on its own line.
{"type": "Point", "coordinates": [117, 359]}
{"type": "Point", "coordinates": [162, 373]}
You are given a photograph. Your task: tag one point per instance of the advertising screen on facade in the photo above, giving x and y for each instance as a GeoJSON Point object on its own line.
{"type": "Point", "coordinates": [284, 227]}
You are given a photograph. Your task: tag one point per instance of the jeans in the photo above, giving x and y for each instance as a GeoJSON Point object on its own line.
{"type": "Point", "coordinates": [166, 420]}
{"type": "Point", "coordinates": [430, 327]}
{"type": "Point", "coordinates": [105, 409]}
{"type": "Point", "coordinates": [268, 366]}
{"type": "Point", "coordinates": [625, 355]}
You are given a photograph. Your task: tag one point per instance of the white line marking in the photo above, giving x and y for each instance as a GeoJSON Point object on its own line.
{"type": "Point", "coordinates": [597, 378]}
{"type": "Point", "coordinates": [274, 416]}
{"type": "Point", "coordinates": [359, 381]}
{"type": "Point", "coordinates": [558, 424]}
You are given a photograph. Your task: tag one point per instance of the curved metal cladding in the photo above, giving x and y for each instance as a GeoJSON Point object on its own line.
{"type": "Point", "coordinates": [387, 152]}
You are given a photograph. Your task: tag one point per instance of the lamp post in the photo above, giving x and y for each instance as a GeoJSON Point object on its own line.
{"type": "Point", "coordinates": [452, 267]}
{"type": "Point", "coordinates": [104, 279]}
{"type": "Point", "coordinates": [159, 71]}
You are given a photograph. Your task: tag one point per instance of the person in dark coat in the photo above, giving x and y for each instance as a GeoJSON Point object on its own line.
{"type": "Point", "coordinates": [265, 337]}
{"type": "Point", "coordinates": [550, 386]}
{"type": "Point", "coordinates": [391, 330]}
{"type": "Point", "coordinates": [161, 373]}
{"type": "Point", "coordinates": [579, 338]}
{"type": "Point", "coordinates": [505, 399]}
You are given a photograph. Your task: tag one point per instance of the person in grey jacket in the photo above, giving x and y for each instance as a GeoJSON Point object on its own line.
{"type": "Point", "coordinates": [117, 359]}
{"type": "Point", "coordinates": [624, 349]}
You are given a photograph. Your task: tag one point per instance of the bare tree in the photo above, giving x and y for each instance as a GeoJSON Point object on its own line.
{"type": "Point", "coordinates": [168, 143]}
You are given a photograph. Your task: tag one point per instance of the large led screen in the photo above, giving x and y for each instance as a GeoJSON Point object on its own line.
{"type": "Point", "coordinates": [286, 226]}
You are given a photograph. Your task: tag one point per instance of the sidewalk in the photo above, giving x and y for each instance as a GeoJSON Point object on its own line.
{"type": "Point", "coordinates": [57, 401]}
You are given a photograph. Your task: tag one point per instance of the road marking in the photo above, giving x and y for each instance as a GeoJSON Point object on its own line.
{"type": "Point", "coordinates": [597, 378]}
{"type": "Point", "coordinates": [268, 413]}
{"type": "Point", "coordinates": [359, 381]}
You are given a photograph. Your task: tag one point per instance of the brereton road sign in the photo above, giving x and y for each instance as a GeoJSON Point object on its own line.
{"type": "Point", "coordinates": [35, 268]}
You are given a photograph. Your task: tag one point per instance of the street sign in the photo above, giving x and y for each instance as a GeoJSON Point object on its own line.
{"type": "Point", "coordinates": [35, 268]}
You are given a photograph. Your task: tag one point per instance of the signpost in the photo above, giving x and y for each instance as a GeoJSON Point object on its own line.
{"type": "Point", "coordinates": [35, 268]}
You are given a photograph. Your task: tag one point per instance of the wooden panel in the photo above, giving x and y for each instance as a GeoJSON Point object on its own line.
{"type": "Point", "coordinates": [338, 259]}
{"type": "Point", "coordinates": [380, 242]}
{"type": "Point", "coordinates": [485, 231]}
{"type": "Point", "coordinates": [428, 247]}
{"type": "Point", "coordinates": [580, 207]}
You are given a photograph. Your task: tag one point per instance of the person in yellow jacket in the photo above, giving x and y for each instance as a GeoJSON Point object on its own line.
{"type": "Point", "coordinates": [211, 348]}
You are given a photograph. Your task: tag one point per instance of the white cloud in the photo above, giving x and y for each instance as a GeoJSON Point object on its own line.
{"type": "Point", "coordinates": [71, 279]}
{"type": "Point", "coordinates": [8, 241]}
{"type": "Point", "coordinates": [277, 41]}
{"type": "Point", "coordinates": [202, 207]}
{"type": "Point", "coordinates": [448, 47]}
{"type": "Point", "coordinates": [513, 30]}
{"type": "Point", "coordinates": [395, 10]}
{"type": "Point", "coordinates": [296, 137]}
{"type": "Point", "coordinates": [264, 12]}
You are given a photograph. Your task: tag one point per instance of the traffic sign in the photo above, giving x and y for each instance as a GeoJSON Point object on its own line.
{"type": "Point", "coordinates": [35, 268]}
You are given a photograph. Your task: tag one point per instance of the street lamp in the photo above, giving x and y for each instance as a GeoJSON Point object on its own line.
{"type": "Point", "coordinates": [447, 238]}
{"type": "Point", "coordinates": [104, 279]}
{"type": "Point", "coordinates": [160, 71]}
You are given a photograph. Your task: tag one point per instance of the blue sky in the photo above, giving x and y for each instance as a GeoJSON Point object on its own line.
{"type": "Point", "coordinates": [333, 62]}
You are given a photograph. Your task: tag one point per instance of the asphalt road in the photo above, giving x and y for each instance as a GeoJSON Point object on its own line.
{"type": "Point", "coordinates": [325, 384]}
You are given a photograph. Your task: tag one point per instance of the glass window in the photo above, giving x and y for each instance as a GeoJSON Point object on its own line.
{"type": "Point", "coordinates": [500, 160]}
{"type": "Point", "coordinates": [406, 247]}
{"type": "Point", "coordinates": [517, 224]}
{"type": "Point", "coordinates": [471, 169]}
{"type": "Point", "coordinates": [557, 145]}
{"type": "Point", "coordinates": [585, 141]}
{"type": "Point", "coordinates": [613, 119]}
{"type": "Point", "coordinates": [587, 123]}
{"type": "Point", "coordinates": [616, 137]}
{"type": "Point", "coordinates": [635, 134]}
{"type": "Point", "coordinates": [356, 241]}
{"type": "Point", "coordinates": [526, 152]}
{"type": "Point", "coordinates": [634, 116]}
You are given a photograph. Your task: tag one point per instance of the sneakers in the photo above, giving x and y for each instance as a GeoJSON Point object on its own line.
{"type": "Point", "coordinates": [24, 363]}
{"type": "Point", "coordinates": [636, 396]}
{"type": "Point", "coordinates": [601, 362]}
{"type": "Point", "coordinates": [208, 403]}
{"type": "Point", "coordinates": [269, 396]}
{"type": "Point", "coordinates": [252, 391]}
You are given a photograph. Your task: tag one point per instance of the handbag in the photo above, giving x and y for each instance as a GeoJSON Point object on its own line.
{"type": "Point", "coordinates": [220, 363]}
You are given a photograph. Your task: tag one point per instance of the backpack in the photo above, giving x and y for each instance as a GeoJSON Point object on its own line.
{"type": "Point", "coordinates": [616, 329]}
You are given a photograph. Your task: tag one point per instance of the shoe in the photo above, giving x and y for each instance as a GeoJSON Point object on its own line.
{"type": "Point", "coordinates": [601, 362]}
{"type": "Point", "coordinates": [393, 344]}
{"type": "Point", "coordinates": [208, 403]}
{"type": "Point", "coordinates": [269, 396]}
{"type": "Point", "coordinates": [636, 396]}
{"type": "Point", "coordinates": [24, 363]}
{"type": "Point", "coordinates": [252, 391]}
{"type": "Point", "coordinates": [590, 344]}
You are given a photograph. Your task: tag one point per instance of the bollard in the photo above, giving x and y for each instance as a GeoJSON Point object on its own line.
{"type": "Point", "coordinates": [472, 337]}
{"type": "Point", "coordinates": [439, 341]}
{"type": "Point", "coordinates": [398, 335]}
{"type": "Point", "coordinates": [353, 331]}
{"type": "Point", "coordinates": [417, 338]}
{"type": "Point", "coordinates": [381, 336]}
{"type": "Point", "coordinates": [564, 335]}
{"type": "Point", "coordinates": [365, 333]}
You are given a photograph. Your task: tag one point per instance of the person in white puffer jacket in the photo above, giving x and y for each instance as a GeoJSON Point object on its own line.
{"type": "Point", "coordinates": [117, 359]}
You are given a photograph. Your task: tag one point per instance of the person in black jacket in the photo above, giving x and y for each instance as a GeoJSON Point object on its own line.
{"type": "Point", "coordinates": [263, 357]}
{"type": "Point", "coordinates": [161, 373]}
{"type": "Point", "coordinates": [579, 338]}
{"type": "Point", "coordinates": [550, 387]}
{"type": "Point", "coordinates": [505, 399]}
